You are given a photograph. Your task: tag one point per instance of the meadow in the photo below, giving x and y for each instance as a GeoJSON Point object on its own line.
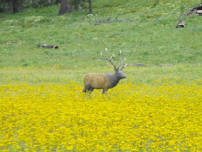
{"type": "Point", "coordinates": [157, 108]}
{"type": "Point", "coordinates": [54, 117]}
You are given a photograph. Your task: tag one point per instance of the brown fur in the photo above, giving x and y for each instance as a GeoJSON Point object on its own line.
{"type": "Point", "coordinates": [96, 81]}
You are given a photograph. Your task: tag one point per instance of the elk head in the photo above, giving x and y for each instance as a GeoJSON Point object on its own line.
{"type": "Point", "coordinates": [118, 70]}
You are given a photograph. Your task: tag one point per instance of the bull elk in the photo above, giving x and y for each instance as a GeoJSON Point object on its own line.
{"type": "Point", "coordinates": [105, 81]}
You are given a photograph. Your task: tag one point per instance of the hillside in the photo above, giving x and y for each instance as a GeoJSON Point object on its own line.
{"type": "Point", "coordinates": [144, 32]}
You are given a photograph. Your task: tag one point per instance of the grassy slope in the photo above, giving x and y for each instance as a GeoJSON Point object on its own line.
{"type": "Point", "coordinates": [146, 35]}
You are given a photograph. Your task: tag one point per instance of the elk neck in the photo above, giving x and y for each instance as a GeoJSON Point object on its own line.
{"type": "Point", "coordinates": [113, 79]}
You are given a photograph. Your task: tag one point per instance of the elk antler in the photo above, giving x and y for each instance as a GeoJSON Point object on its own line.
{"type": "Point", "coordinates": [109, 59]}
{"type": "Point", "coordinates": [125, 65]}
{"type": "Point", "coordinates": [122, 65]}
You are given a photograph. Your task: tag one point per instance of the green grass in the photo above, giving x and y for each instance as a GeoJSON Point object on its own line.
{"type": "Point", "coordinates": [146, 34]}
{"type": "Point", "coordinates": [138, 75]}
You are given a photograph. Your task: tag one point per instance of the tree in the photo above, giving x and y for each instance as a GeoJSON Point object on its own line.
{"type": "Point", "coordinates": [44, 2]}
{"type": "Point", "coordinates": [90, 6]}
{"type": "Point", "coordinates": [57, 1]}
{"type": "Point", "coordinates": [65, 7]}
{"type": "Point", "coordinates": [41, 3]}
{"type": "Point", "coordinates": [2, 6]}
{"type": "Point", "coordinates": [76, 4]}
{"type": "Point", "coordinates": [15, 6]}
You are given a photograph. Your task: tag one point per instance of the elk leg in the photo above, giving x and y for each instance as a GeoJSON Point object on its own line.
{"type": "Point", "coordinates": [104, 91]}
{"type": "Point", "coordinates": [86, 88]}
{"type": "Point", "coordinates": [91, 89]}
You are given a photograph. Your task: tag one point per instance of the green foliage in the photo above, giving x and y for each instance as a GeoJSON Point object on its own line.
{"type": "Point", "coordinates": [13, 5]}
{"type": "Point", "coordinates": [40, 3]}
{"type": "Point", "coordinates": [7, 5]}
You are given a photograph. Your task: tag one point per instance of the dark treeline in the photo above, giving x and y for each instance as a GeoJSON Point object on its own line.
{"type": "Point", "coordinates": [67, 6]}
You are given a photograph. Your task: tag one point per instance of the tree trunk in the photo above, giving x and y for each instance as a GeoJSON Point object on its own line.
{"type": "Point", "coordinates": [58, 1]}
{"type": "Point", "coordinates": [76, 4]}
{"type": "Point", "coordinates": [45, 2]}
{"type": "Point", "coordinates": [90, 6]}
{"type": "Point", "coordinates": [49, 2]}
{"type": "Point", "coordinates": [34, 4]}
{"type": "Point", "coordinates": [65, 7]}
{"type": "Point", "coordinates": [14, 6]}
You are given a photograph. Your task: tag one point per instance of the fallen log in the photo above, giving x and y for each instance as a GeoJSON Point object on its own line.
{"type": "Point", "coordinates": [47, 46]}
{"type": "Point", "coordinates": [199, 12]}
{"type": "Point", "coordinates": [195, 10]}
{"type": "Point", "coordinates": [181, 24]}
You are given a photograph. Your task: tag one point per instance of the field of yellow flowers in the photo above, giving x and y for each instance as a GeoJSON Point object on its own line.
{"type": "Point", "coordinates": [57, 117]}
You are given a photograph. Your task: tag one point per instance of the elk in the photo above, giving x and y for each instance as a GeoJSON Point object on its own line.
{"type": "Point", "coordinates": [104, 81]}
